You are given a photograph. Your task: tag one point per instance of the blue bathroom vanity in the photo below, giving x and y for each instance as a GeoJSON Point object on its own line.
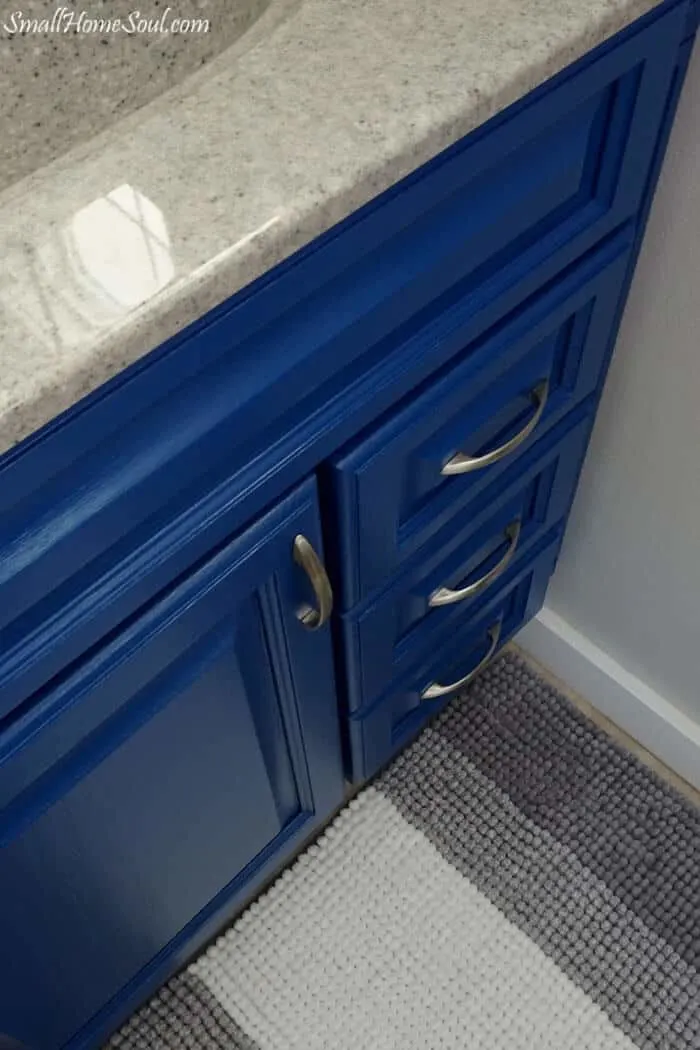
{"type": "Point", "coordinates": [242, 574]}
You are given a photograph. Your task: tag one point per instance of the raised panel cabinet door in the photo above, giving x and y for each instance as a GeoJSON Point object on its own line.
{"type": "Point", "coordinates": [152, 779]}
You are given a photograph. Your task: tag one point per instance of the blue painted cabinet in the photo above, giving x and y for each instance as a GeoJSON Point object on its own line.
{"type": "Point", "coordinates": [413, 393]}
{"type": "Point", "coordinates": [170, 762]}
{"type": "Point", "coordinates": [390, 487]}
{"type": "Point", "coordinates": [418, 692]}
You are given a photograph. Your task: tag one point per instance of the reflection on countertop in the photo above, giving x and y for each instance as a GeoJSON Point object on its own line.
{"type": "Point", "coordinates": [110, 257]}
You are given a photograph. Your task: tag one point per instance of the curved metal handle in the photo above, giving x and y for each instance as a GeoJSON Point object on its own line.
{"type": "Point", "coordinates": [306, 557]}
{"type": "Point", "coordinates": [462, 464]}
{"type": "Point", "coordinates": [435, 691]}
{"type": "Point", "coordinates": [444, 596]}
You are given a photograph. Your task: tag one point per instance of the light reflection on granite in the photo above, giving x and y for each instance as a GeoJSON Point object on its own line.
{"type": "Point", "coordinates": [248, 161]}
{"type": "Point", "coordinates": [111, 256]}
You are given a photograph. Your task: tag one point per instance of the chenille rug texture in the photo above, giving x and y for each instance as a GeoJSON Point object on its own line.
{"type": "Point", "coordinates": [514, 880]}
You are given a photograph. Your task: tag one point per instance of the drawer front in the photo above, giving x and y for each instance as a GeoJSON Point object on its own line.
{"type": "Point", "coordinates": [160, 775]}
{"type": "Point", "coordinates": [396, 488]}
{"type": "Point", "coordinates": [471, 556]}
{"type": "Point", "coordinates": [378, 735]}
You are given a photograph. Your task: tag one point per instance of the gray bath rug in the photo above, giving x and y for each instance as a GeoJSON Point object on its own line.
{"type": "Point", "coordinates": [514, 881]}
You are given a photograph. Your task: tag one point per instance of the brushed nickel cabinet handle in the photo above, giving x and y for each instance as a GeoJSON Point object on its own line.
{"type": "Point", "coordinates": [444, 596]}
{"type": "Point", "coordinates": [435, 691]}
{"type": "Point", "coordinates": [462, 464]}
{"type": "Point", "coordinates": [307, 558]}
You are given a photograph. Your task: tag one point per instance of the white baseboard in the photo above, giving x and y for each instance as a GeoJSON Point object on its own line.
{"type": "Point", "coordinates": [623, 698]}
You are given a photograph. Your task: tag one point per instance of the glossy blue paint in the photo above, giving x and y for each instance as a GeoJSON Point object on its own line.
{"type": "Point", "coordinates": [168, 730]}
{"type": "Point", "coordinates": [139, 786]}
{"type": "Point", "coordinates": [390, 630]}
{"type": "Point", "coordinates": [106, 505]}
{"type": "Point", "coordinates": [391, 495]}
{"type": "Point", "coordinates": [378, 734]}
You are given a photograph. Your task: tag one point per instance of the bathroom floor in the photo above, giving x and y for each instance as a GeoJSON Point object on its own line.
{"type": "Point", "coordinates": [516, 879]}
{"type": "Point", "coordinates": [611, 730]}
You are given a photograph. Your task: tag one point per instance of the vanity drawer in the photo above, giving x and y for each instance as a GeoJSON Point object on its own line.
{"type": "Point", "coordinates": [474, 554]}
{"type": "Point", "coordinates": [397, 487]}
{"type": "Point", "coordinates": [378, 735]}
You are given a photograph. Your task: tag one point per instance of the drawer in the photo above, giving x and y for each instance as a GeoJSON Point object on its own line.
{"type": "Point", "coordinates": [398, 486]}
{"type": "Point", "coordinates": [153, 782]}
{"type": "Point", "coordinates": [378, 735]}
{"type": "Point", "coordinates": [473, 555]}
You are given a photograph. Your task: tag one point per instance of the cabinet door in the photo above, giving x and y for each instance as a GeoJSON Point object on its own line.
{"type": "Point", "coordinates": [136, 790]}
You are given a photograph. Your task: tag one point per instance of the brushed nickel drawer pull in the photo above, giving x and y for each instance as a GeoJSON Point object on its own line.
{"type": "Point", "coordinates": [435, 691]}
{"type": "Point", "coordinates": [463, 464]}
{"type": "Point", "coordinates": [307, 558]}
{"type": "Point", "coordinates": [444, 596]}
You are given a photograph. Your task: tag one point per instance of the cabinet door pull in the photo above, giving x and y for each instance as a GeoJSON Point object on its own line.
{"type": "Point", "coordinates": [445, 596]}
{"type": "Point", "coordinates": [463, 464]}
{"type": "Point", "coordinates": [435, 691]}
{"type": "Point", "coordinates": [306, 557]}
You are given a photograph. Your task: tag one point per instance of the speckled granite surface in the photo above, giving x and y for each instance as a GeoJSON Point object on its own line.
{"type": "Point", "coordinates": [122, 242]}
{"type": "Point", "coordinates": [63, 79]}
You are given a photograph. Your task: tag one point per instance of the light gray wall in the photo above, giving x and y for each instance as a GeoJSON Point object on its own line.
{"type": "Point", "coordinates": [629, 574]}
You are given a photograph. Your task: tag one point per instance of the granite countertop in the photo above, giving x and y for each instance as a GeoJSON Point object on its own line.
{"type": "Point", "coordinates": [123, 241]}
